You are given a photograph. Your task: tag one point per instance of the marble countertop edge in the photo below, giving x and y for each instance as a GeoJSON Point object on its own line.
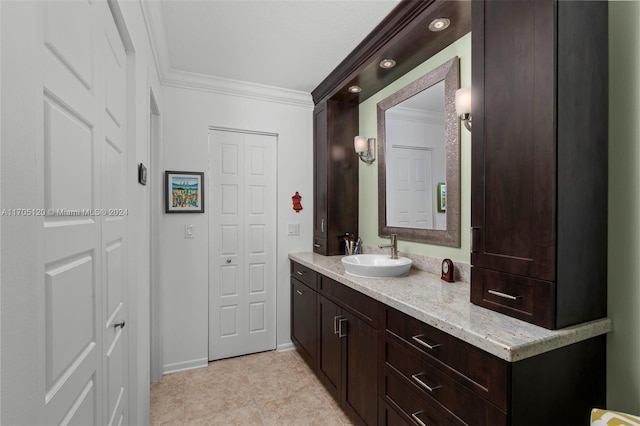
{"type": "Point", "coordinates": [446, 306]}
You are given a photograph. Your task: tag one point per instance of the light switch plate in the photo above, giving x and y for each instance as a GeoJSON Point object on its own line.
{"type": "Point", "coordinates": [293, 229]}
{"type": "Point", "coordinates": [188, 231]}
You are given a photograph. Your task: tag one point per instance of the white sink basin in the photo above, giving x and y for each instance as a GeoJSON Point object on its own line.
{"type": "Point", "coordinates": [376, 265]}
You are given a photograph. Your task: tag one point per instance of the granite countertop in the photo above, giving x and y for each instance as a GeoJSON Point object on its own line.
{"type": "Point", "coordinates": [446, 306]}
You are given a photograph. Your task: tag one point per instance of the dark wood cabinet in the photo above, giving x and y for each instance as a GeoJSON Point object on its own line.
{"type": "Point", "coordinates": [303, 320]}
{"type": "Point", "coordinates": [539, 160]}
{"type": "Point", "coordinates": [439, 379]}
{"type": "Point", "coordinates": [329, 347]}
{"type": "Point", "coordinates": [335, 171]}
{"type": "Point", "coordinates": [388, 368]}
{"type": "Point", "coordinates": [347, 360]}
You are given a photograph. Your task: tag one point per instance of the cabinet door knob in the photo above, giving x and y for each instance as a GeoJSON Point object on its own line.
{"type": "Point", "coordinates": [423, 384]}
{"type": "Point", "coordinates": [322, 226]}
{"type": "Point", "coordinates": [335, 324]}
{"type": "Point", "coordinates": [418, 339]}
{"type": "Point", "coordinates": [300, 292]}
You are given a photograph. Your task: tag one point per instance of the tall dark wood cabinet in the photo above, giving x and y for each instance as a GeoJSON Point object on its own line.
{"type": "Point", "coordinates": [335, 171]}
{"type": "Point", "coordinates": [539, 159]}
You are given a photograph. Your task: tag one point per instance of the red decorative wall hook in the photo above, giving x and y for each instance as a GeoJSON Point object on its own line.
{"type": "Point", "coordinates": [296, 202]}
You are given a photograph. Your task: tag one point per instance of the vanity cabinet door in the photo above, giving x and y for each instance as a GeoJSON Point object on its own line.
{"type": "Point", "coordinates": [303, 321]}
{"type": "Point", "coordinates": [348, 360]}
{"type": "Point", "coordinates": [329, 347]}
{"type": "Point", "coordinates": [360, 365]}
{"type": "Point", "coordinates": [335, 171]}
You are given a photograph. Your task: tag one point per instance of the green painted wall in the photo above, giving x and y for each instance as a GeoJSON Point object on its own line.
{"type": "Point", "coordinates": [368, 215]}
{"type": "Point", "coordinates": [623, 348]}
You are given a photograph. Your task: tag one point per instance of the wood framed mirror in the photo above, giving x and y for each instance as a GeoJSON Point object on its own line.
{"type": "Point", "coordinates": [419, 160]}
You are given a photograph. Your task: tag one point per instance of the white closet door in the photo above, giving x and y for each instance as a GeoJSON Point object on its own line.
{"type": "Point", "coordinates": [242, 243]}
{"type": "Point", "coordinates": [84, 255]}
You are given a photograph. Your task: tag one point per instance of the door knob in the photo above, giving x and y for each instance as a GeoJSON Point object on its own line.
{"type": "Point", "coordinates": [119, 324]}
{"type": "Point", "coordinates": [228, 260]}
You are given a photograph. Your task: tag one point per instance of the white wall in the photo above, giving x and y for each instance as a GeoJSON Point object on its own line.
{"type": "Point", "coordinates": [145, 78]}
{"type": "Point", "coordinates": [187, 115]}
{"type": "Point", "coordinates": [22, 372]}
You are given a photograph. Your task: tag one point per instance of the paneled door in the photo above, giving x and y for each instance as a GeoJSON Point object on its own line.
{"type": "Point", "coordinates": [242, 243]}
{"type": "Point", "coordinates": [410, 190]}
{"type": "Point", "coordinates": [84, 231]}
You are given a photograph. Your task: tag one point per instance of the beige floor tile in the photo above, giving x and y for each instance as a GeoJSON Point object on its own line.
{"type": "Point", "coordinates": [269, 388]}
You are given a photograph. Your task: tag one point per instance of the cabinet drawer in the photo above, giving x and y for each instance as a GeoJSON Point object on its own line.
{"type": "Point", "coordinates": [320, 245]}
{"type": "Point", "coordinates": [429, 380]}
{"type": "Point", "coordinates": [520, 297]}
{"type": "Point", "coordinates": [483, 373]}
{"type": "Point", "coordinates": [387, 416]}
{"type": "Point", "coordinates": [411, 407]}
{"type": "Point", "coordinates": [304, 274]}
{"type": "Point", "coordinates": [356, 302]}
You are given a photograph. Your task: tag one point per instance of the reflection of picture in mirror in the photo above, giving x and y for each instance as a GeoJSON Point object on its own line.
{"type": "Point", "coordinates": [442, 197]}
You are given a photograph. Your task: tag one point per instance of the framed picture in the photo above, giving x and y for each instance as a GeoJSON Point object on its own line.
{"type": "Point", "coordinates": [184, 192]}
{"type": "Point", "coordinates": [442, 197]}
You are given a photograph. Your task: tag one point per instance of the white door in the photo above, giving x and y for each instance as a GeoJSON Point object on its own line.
{"type": "Point", "coordinates": [85, 247]}
{"type": "Point", "coordinates": [242, 243]}
{"type": "Point", "coordinates": [411, 188]}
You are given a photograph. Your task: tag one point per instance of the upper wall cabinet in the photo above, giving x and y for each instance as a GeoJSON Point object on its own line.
{"type": "Point", "coordinates": [335, 171]}
{"type": "Point", "coordinates": [539, 159]}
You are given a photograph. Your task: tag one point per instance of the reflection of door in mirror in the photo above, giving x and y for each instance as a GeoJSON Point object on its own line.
{"type": "Point", "coordinates": [416, 160]}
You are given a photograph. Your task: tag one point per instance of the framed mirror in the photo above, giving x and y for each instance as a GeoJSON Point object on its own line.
{"type": "Point", "coordinates": [419, 160]}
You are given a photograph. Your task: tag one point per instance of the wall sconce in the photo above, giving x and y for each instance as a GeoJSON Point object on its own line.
{"type": "Point", "coordinates": [463, 106]}
{"type": "Point", "coordinates": [365, 148]}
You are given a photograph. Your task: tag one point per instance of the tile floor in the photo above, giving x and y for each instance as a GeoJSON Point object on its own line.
{"type": "Point", "coordinates": [269, 388]}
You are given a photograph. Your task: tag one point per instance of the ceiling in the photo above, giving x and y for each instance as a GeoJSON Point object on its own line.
{"type": "Point", "coordinates": [290, 44]}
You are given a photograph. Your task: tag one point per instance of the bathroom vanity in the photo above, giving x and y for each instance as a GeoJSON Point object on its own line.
{"type": "Point", "coordinates": [413, 350]}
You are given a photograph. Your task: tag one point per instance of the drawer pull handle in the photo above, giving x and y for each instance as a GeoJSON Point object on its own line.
{"type": "Point", "coordinates": [316, 245]}
{"type": "Point", "coordinates": [504, 295]}
{"type": "Point", "coordinates": [300, 273]}
{"type": "Point", "coordinates": [335, 325]}
{"type": "Point", "coordinates": [341, 332]}
{"type": "Point", "coordinates": [301, 293]}
{"type": "Point", "coordinates": [423, 384]}
{"type": "Point", "coordinates": [415, 417]}
{"type": "Point", "coordinates": [423, 343]}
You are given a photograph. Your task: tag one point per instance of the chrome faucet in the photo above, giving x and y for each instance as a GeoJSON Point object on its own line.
{"type": "Point", "coordinates": [393, 246]}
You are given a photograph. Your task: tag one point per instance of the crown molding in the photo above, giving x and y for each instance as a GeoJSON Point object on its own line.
{"type": "Point", "coordinates": [243, 89]}
{"type": "Point", "coordinates": [418, 115]}
{"type": "Point", "coordinates": [169, 76]}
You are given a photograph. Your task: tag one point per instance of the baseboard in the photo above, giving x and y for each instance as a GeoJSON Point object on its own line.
{"type": "Point", "coordinates": [185, 365]}
{"type": "Point", "coordinates": [285, 347]}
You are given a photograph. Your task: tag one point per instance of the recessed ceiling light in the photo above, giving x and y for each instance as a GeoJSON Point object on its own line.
{"type": "Point", "coordinates": [355, 89]}
{"type": "Point", "coordinates": [439, 24]}
{"type": "Point", "coordinates": [387, 63]}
